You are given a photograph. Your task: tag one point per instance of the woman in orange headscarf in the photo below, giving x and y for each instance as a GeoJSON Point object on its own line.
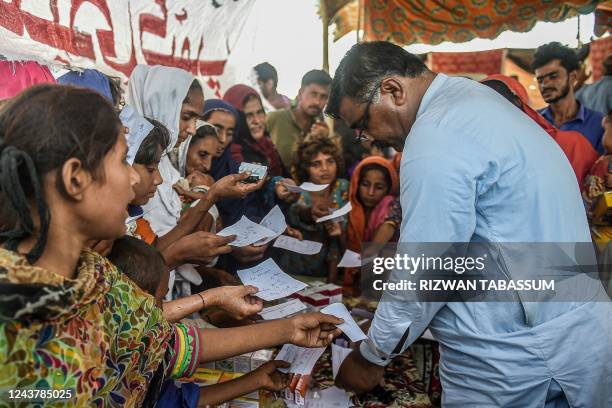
{"type": "Point", "coordinates": [376, 213]}
{"type": "Point", "coordinates": [576, 147]}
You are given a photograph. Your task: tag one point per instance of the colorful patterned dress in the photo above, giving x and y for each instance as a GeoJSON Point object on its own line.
{"type": "Point", "coordinates": [97, 335]}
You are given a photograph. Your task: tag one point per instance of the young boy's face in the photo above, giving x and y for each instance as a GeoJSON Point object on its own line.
{"type": "Point", "coordinates": [150, 178]}
{"type": "Point", "coordinates": [162, 289]}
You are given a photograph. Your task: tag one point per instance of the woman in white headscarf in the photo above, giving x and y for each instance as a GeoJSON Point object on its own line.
{"type": "Point", "coordinates": [175, 98]}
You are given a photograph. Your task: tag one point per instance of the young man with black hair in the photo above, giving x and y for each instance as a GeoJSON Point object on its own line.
{"type": "Point", "coordinates": [267, 80]}
{"type": "Point", "coordinates": [477, 170]}
{"type": "Point", "coordinates": [288, 127]}
{"type": "Point", "coordinates": [556, 67]}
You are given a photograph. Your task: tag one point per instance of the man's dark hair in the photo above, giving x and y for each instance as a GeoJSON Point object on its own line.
{"type": "Point", "coordinates": [364, 66]}
{"type": "Point", "coordinates": [153, 145]}
{"type": "Point", "coordinates": [316, 76]}
{"type": "Point", "coordinates": [266, 71]}
{"type": "Point", "coordinates": [555, 51]}
{"type": "Point", "coordinates": [139, 261]}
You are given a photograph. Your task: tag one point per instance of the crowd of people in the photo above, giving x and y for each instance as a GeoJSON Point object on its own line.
{"type": "Point", "coordinates": [111, 201]}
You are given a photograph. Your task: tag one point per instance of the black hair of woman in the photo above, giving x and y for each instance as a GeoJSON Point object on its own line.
{"type": "Point", "coordinates": [40, 130]}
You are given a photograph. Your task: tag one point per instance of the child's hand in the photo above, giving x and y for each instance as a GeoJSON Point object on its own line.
{"type": "Point", "coordinates": [283, 193]}
{"type": "Point", "coordinates": [333, 228]}
{"type": "Point", "coordinates": [295, 233]}
{"type": "Point", "coordinates": [269, 378]}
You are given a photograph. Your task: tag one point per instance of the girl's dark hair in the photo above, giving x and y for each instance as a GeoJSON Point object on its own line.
{"type": "Point", "coordinates": [308, 150]}
{"type": "Point", "coordinates": [153, 145]}
{"type": "Point", "coordinates": [40, 129]}
{"type": "Point", "coordinates": [374, 166]}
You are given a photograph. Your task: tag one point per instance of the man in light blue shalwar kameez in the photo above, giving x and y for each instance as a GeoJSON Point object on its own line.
{"type": "Point", "coordinates": [476, 169]}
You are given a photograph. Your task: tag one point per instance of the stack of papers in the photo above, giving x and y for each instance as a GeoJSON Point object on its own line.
{"type": "Point", "coordinates": [306, 187]}
{"type": "Point", "coordinates": [301, 247]}
{"type": "Point", "coordinates": [247, 232]}
{"type": "Point", "coordinates": [340, 212]}
{"type": "Point", "coordinates": [271, 281]}
{"type": "Point", "coordinates": [282, 310]}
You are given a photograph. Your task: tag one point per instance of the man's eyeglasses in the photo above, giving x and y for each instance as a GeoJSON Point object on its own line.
{"type": "Point", "coordinates": [363, 122]}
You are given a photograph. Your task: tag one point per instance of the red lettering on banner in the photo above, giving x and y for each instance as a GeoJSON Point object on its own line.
{"type": "Point", "coordinates": [68, 39]}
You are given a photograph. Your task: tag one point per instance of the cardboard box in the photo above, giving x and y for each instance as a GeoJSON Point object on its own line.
{"type": "Point", "coordinates": [316, 301]}
{"type": "Point", "coordinates": [334, 292]}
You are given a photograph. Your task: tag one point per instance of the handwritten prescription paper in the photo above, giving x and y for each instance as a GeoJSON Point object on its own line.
{"type": "Point", "coordinates": [350, 259]}
{"type": "Point", "coordinates": [282, 309]}
{"type": "Point", "coordinates": [340, 212]}
{"type": "Point", "coordinates": [306, 187]}
{"type": "Point", "coordinates": [271, 281]}
{"type": "Point", "coordinates": [302, 359]}
{"type": "Point", "coordinates": [274, 221]}
{"type": "Point", "coordinates": [301, 247]}
{"type": "Point", "coordinates": [348, 327]}
{"type": "Point", "coordinates": [246, 231]}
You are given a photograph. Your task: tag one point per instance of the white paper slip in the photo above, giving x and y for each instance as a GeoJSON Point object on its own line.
{"type": "Point", "coordinates": [271, 281]}
{"type": "Point", "coordinates": [349, 327]}
{"type": "Point", "coordinates": [283, 309]}
{"type": "Point", "coordinates": [246, 231]}
{"type": "Point", "coordinates": [302, 359]}
{"type": "Point", "coordinates": [338, 356]}
{"type": "Point", "coordinates": [306, 187]}
{"type": "Point", "coordinates": [337, 214]}
{"type": "Point", "coordinates": [301, 247]}
{"type": "Point", "coordinates": [274, 221]}
{"type": "Point", "coordinates": [350, 259]}
{"type": "Point", "coordinates": [427, 335]}
{"type": "Point", "coordinates": [255, 169]}
{"type": "Point", "coordinates": [332, 397]}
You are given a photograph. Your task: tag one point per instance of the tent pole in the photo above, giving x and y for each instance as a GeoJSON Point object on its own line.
{"type": "Point", "coordinates": [325, 20]}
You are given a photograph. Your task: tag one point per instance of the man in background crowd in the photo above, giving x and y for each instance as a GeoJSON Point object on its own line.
{"type": "Point", "coordinates": [290, 126]}
{"type": "Point", "coordinates": [267, 81]}
{"type": "Point", "coordinates": [556, 68]}
{"type": "Point", "coordinates": [598, 96]}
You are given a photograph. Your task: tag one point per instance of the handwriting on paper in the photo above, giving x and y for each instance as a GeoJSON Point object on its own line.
{"type": "Point", "coordinates": [301, 247]}
{"type": "Point", "coordinates": [246, 231]}
{"type": "Point", "coordinates": [340, 212]}
{"type": "Point", "coordinates": [271, 281]}
{"type": "Point", "coordinates": [302, 359]}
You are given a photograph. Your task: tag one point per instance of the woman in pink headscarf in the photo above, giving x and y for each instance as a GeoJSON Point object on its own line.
{"type": "Point", "coordinates": [16, 76]}
{"type": "Point", "coordinates": [251, 142]}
